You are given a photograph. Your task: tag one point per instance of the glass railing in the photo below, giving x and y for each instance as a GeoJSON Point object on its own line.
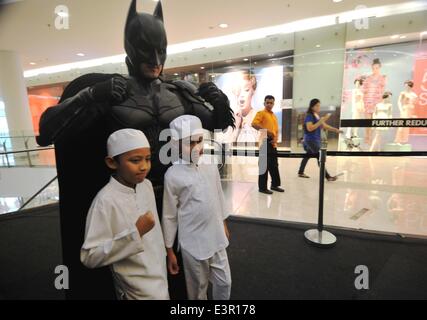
{"type": "Point", "coordinates": [372, 193]}
{"type": "Point", "coordinates": [23, 151]}
{"type": "Point", "coordinates": [28, 179]}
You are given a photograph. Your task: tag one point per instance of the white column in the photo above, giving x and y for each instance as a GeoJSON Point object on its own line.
{"type": "Point", "coordinates": [13, 93]}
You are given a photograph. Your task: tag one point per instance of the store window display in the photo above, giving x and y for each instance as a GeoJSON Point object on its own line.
{"type": "Point", "coordinates": [406, 103]}
{"type": "Point", "coordinates": [383, 110]}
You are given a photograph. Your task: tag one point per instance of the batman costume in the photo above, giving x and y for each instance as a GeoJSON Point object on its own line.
{"type": "Point", "coordinates": [95, 105]}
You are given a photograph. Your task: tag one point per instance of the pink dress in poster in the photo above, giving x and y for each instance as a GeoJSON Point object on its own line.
{"type": "Point", "coordinates": [373, 89]}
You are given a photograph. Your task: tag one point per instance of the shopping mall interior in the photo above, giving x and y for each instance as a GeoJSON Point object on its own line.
{"type": "Point", "coordinates": [365, 62]}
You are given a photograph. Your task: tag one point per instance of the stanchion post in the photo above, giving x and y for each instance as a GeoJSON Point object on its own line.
{"type": "Point", "coordinates": [320, 237]}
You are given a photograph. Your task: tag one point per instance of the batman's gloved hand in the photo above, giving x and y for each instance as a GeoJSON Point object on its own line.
{"type": "Point", "coordinates": [223, 114]}
{"type": "Point", "coordinates": [114, 89]}
{"type": "Point", "coordinates": [211, 93]}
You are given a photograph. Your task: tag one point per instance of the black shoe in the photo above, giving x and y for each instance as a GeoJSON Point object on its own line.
{"type": "Point", "coordinates": [331, 179]}
{"type": "Point", "coordinates": [266, 191]}
{"type": "Point", "coordinates": [277, 189]}
{"type": "Point", "coordinates": [303, 175]}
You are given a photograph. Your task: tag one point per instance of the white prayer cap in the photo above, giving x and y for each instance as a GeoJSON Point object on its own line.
{"type": "Point", "coordinates": [125, 140]}
{"type": "Point", "coordinates": [185, 126]}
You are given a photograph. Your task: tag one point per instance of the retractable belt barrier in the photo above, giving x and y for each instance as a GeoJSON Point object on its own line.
{"type": "Point", "coordinates": [288, 154]}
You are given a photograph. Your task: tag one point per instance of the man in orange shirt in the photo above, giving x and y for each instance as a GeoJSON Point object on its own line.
{"type": "Point", "coordinates": [266, 121]}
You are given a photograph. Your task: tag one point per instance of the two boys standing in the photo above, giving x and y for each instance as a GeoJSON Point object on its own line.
{"type": "Point", "coordinates": [123, 229]}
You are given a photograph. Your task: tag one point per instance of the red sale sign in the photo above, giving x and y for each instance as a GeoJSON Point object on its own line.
{"type": "Point", "coordinates": [420, 88]}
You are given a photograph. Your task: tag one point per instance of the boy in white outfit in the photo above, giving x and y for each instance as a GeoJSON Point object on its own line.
{"type": "Point", "coordinates": [193, 203]}
{"type": "Point", "coordinates": [122, 228]}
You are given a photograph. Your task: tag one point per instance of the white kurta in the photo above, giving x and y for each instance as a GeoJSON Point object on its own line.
{"type": "Point", "coordinates": [193, 201]}
{"type": "Point", "coordinates": [138, 264]}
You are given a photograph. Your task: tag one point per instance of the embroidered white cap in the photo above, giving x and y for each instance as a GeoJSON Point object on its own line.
{"type": "Point", "coordinates": [185, 126]}
{"type": "Point", "coordinates": [125, 140]}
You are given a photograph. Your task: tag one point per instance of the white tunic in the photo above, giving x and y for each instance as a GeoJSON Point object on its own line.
{"type": "Point", "coordinates": [138, 264]}
{"type": "Point", "coordinates": [193, 203]}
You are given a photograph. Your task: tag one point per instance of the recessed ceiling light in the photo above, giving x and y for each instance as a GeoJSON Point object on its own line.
{"type": "Point", "coordinates": [33, 63]}
{"type": "Point", "coordinates": [176, 74]}
{"type": "Point", "coordinates": [394, 36]}
{"type": "Point", "coordinates": [317, 45]}
{"type": "Point", "coordinates": [202, 68]}
{"type": "Point", "coordinates": [223, 25]}
{"type": "Point", "coordinates": [402, 37]}
{"type": "Point", "coordinates": [336, 1]}
{"type": "Point", "coordinates": [81, 54]}
{"type": "Point", "coordinates": [424, 33]}
{"type": "Point", "coordinates": [271, 54]}
{"type": "Point", "coordinates": [246, 59]}
{"type": "Point", "coordinates": [196, 75]}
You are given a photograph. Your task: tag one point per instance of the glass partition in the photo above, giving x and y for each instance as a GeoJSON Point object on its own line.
{"type": "Point", "coordinates": [28, 179]}
{"type": "Point", "coordinates": [23, 151]}
{"type": "Point", "coordinates": [378, 194]}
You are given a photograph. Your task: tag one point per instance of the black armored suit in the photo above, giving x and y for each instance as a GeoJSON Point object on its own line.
{"type": "Point", "coordinates": [95, 105]}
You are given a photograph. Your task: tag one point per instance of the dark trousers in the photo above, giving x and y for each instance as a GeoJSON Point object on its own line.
{"type": "Point", "coordinates": [268, 163]}
{"type": "Point", "coordinates": [312, 148]}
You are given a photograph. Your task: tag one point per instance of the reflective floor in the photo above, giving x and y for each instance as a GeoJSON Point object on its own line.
{"type": "Point", "coordinates": [379, 193]}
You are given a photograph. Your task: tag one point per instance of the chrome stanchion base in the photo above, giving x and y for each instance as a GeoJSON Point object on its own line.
{"type": "Point", "coordinates": [318, 238]}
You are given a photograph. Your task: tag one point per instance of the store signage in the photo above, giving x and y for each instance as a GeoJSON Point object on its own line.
{"type": "Point", "coordinates": [384, 123]}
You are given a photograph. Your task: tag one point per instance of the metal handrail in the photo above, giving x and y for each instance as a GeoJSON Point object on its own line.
{"type": "Point", "coordinates": [14, 137]}
{"type": "Point", "coordinates": [27, 150]}
{"type": "Point", "coordinates": [37, 193]}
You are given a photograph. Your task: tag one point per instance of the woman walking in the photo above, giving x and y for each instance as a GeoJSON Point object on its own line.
{"type": "Point", "coordinates": [313, 125]}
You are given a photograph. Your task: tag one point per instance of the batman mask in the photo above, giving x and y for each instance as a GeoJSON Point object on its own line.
{"type": "Point", "coordinates": [145, 39]}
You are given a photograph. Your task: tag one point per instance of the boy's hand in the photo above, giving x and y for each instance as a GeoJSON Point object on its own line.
{"type": "Point", "coordinates": [145, 223]}
{"type": "Point", "coordinates": [173, 266]}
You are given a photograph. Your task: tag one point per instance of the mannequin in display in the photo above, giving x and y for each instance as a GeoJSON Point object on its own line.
{"type": "Point", "coordinates": [245, 113]}
{"type": "Point", "coordinates": [383, 110]}
{"type": "Point", "coordinates": [373, 89]}
{"type": "Point", "coordinates": [406, 103]}
{"type": "Point", "coordinates": [95, 105]}
{"type": "Point", "coordinates": [357, 106]}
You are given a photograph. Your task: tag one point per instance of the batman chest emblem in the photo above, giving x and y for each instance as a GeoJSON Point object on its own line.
{"type": "Point", "coordinates": [157, 108]}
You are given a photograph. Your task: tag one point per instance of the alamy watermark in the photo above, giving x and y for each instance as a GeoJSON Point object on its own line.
{"type": "Point", "coordinates": [62, 281]}
{"type": "Point", "coordinates": [62, 17]}
{"type": "Point", "coordinates": [219, 153]}
{"type": "Point", "coordinates": [362, 280]}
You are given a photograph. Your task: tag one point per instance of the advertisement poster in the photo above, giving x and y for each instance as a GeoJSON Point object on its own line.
{"type": "Point", "coordinates": [246, 90]}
